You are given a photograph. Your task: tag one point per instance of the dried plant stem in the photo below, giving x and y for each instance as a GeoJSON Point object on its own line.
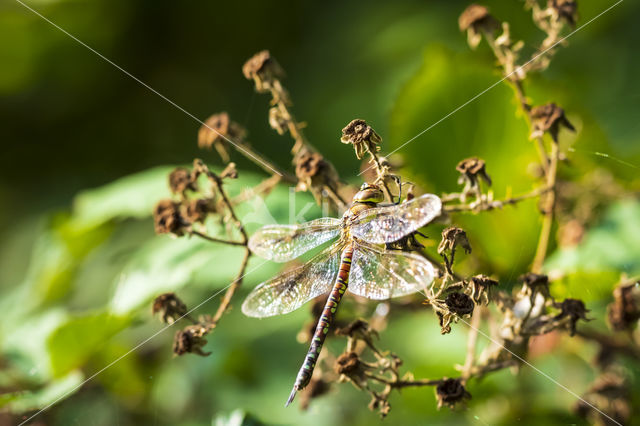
{"type": "Point", "coordinates": [398, 384]}
{"type": "Point", "coordinates": [216, 240]}
{"type": "Point", "coordinates": [382, 173]}
{"type": "Point", "coordinates": [548, 209]}
{"type": "Point", "coordinates": [472, 340]}
{"type": "Point", "coordinates": [226, 300]}
{"type": "Point", "coordinates": [491, 205]}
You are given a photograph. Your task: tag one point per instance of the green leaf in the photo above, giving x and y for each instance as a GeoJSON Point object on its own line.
{"type": "Point", "coordinates": [614, 244]}
{"type": "Point", "coordinates": [20, 402]}
{"type": "Point", "coordinates": [429, 105]}
{"type": "Point", "coordinates": [74, 342]}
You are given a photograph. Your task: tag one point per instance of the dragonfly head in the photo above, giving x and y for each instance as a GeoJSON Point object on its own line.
{"type": "Point", "coordinates": [369, 194]}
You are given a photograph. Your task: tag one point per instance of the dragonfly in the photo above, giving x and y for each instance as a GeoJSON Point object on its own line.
{"type": "Point", "coordinates": [358, 262]}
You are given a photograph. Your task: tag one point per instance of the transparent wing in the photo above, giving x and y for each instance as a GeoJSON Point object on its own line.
{"type": "Point", "coordinates": [387, 224]}
{"type": "Point", "coordinates": [282, 243]}
{"type": "Point", "coordinates": [380, 275]}
{"type": "Point", "coordinates": [292, 289]}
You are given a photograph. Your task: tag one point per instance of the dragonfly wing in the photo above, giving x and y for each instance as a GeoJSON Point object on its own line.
{"type": "Point", "coordinates": [282, 243]}
{"type": "Point", "coordinates": [388, 224]}
{"type": "Point", "coordinates": [292, 289]}
{"type": "Point", "coordinates": [383, 274]}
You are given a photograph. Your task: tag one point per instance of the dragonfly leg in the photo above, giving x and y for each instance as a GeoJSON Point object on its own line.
{"type": "Point", "coordinates": [324, 324]}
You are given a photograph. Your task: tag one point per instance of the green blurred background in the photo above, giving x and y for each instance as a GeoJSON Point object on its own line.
{"type": "Point", "coordinates": [77, 272]}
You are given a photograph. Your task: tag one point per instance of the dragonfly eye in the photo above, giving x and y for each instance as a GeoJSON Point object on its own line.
{"type": "Point", "coordinates": [369, 194]}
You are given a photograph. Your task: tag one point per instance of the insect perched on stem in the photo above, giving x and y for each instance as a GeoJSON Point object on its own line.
{"type": "Point", "coordinates": [357, 261]}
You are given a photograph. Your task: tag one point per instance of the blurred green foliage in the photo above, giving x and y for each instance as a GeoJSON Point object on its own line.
{"type": "Point", "coordinates": [77, 281]}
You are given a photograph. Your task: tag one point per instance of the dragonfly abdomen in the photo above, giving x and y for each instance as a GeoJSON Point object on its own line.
{"type": "Point", "coordinates": [324, 323]}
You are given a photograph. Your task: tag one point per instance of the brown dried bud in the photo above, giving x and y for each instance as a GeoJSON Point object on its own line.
{"type": "Point", "coordinates": [564, 9]}
{"type": "Point", "coordinates": [624, 311]}
{"type": "Point", "coordinates": [548, 118]}
{"type": "Point", "coordinates": [609, 397]}
{"type": "Point", "coordinates": [263, 70]}
{"type": "Point", "coordinates": [310, 165]}
{"type": "Point", "coordinates": [534, 280]}
{"type": "Point", "coordinates": [217, 130]}
{"type": "Point", "coordinates": [472, 169]}
{"type": "Point", "coordinates": [453, 237]}
{"type": "Point", "coordinates": [380, 403]}
{"type": "Point", "coordinates": [181, 179]}
{"type": "Point", "coordinates": [573, 309]}
{"type": "Point", "coordinates": [361, 136]}
{"type": "Point", "coordinates": [190, 340]}
{"type": "Point", "coordinates": [459, 303]}
{"type": "Point", "coordinates": [167, 218]}
{"type": "Point", "coordinates": [451, 392]}
{"type": "Point", "coordinates": [476, 20]}
{"type": "Point", "coordinates": [347, 364]}
{"type": "Point", "coordinates": [480, 285]}
{"type": "Point", "coordinates": [170, 307]}
{"type": "Point", "coordinates": [197, 210]}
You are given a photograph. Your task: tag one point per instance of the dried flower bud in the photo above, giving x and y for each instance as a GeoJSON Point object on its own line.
{"type": "Point", "coordinates": [181, 179]}
{"type": "Point", "coordinates": [624, 311]}
{"type": "Point", "coordinates": [263, 70]}
{"type": "Point", "coordinates": [310, 165]}
{"type": "Point", "coordinates": [573, 309]}
{"type": "Point", "coordinates": [215, 132]}
{"type": "Point", "coordinates": [548, 118]}
{"type": "Point", "coordinates": [380, 403]}
{"type": "Point", "coordinates": [190, 340]}
{"type": "Point", "coordinates": [229, 172]}
{"type": "Point", "coordinates": [347, 364]}
{"type": "Point", "coordinates": [534, 280]}
{"type": "Point", "coordinates": [170, 307]}
{"type": "Point", "coordinates": [473, 169]}
{"type": "Point", "coordinates": [315, 174]}
{"type": "Point", "coordinates": [459, 303]}
{"type": "Point", "coordinates": [361, 136]}
{"type": "Point", "coordinates": [476, 20]}
{"type": "Point", "coordinates": [564, 9]}
{"type": "Point", "coordinates": [451, 238]}
{"type": "Point", "coordinates": [480, 285]}
{"type": "Point", "coordinates": [167, 218]}
{"type": "Point", "coordinates": [451, 392]}
{"type": "Point", "coordinates": [197, 210]}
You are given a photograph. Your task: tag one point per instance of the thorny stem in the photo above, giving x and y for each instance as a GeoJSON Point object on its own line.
{"type": "Point", "coordinates": [548, 208]}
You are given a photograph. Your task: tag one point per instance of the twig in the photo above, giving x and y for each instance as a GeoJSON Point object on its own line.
{"type": "Point", "coordinates": [226, 300]}
{"type": "Point", "coordinates": [548, 208]}
{"type": "Point", "coordinates": [216, 240]}
{"type": "Point", "coordinates": [497, 204]}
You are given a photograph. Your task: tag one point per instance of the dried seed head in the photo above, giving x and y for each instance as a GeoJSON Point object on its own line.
{"type": "Point", "coordinates": [564, 9]}
{"type": "Point", "coordinates": [624, 311]}
{"type": "Point", "coordinates": [348, 364]}
{"type": "Point", "coordinates": [473, 169]}
{"type": "Point", "coordinates": [481, 285]}
{"type": "Point", "coordinates": [181, 179]}
{"type": "Point", "coordinates": [197, 210]}
{"type": "Point", "coordinates": [167, 218]}
{"type": "Point", "coordinates": [214, 131]}
{"type": "Point", "coordinates": [476, 20]}
{"type": "Point", "coordinates": [451, 392]}
{"type": "Point", "coordinates": [573, 309]}
{"type": "Point", "coordinates": [309, 165]}
{"type": "Point", "coordinates": [170, 307]}
{"type": "Point", "coordinates": [190, 340]}
{"type": "Point", "coordinates": [548, 118]}
{"type": "Point", "coordinates": [263, 69]}
{"type": "Point", "coordinates": [361, 136]}
{"type": "Point", "coordinates": [459, 303]}
{"type": "Point", "coordinates": [453, 237]}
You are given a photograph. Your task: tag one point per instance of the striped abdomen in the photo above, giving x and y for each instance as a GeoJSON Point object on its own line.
{"type": "Point", "coordinates": [324, 323]}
